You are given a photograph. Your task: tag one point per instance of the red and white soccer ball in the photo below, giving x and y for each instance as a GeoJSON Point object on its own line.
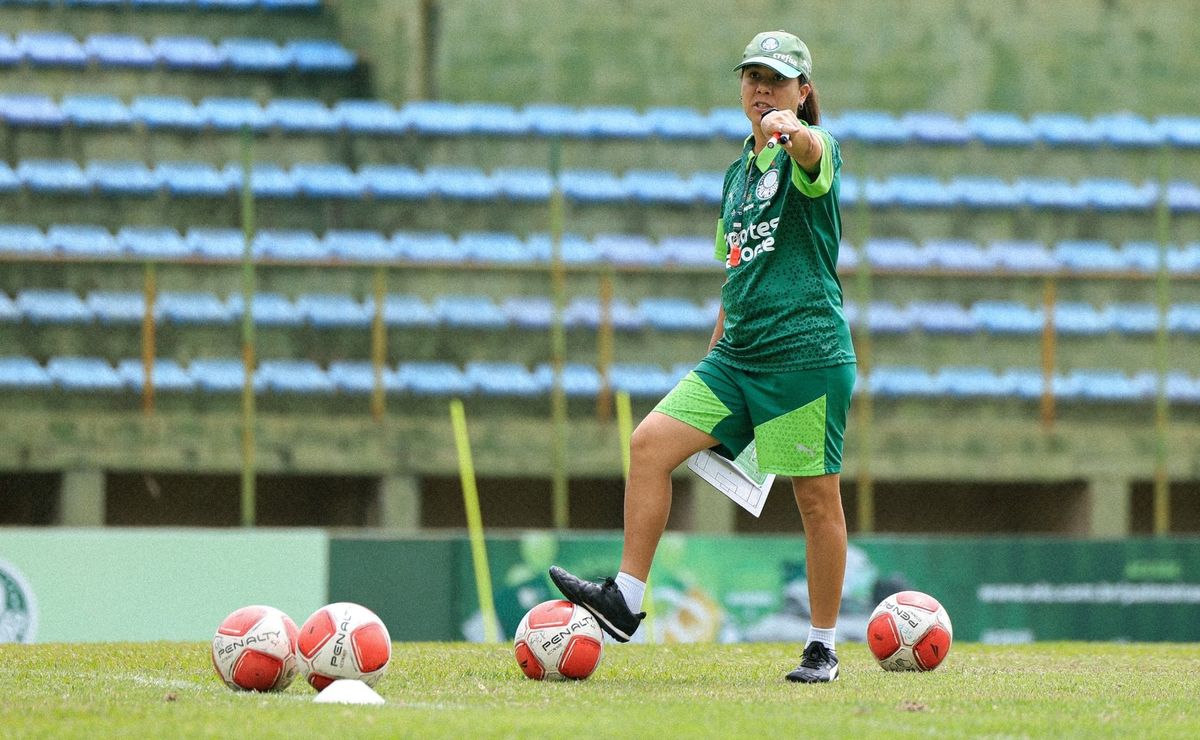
{"type": "Point", "coordinates": [909, 631]}
{"type": "Point", "coordinates": [343, 640]}
{"type": "Point", "coordinates": [557, 640]}
{"type": "Point", "coordinates": [254, 649]}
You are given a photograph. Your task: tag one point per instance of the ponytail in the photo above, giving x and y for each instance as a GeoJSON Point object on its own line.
{"type": "Point", "coordinates": [810, 111]}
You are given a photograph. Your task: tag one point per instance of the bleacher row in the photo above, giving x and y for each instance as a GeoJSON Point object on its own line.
{"type": "Point", "coordinates": [271, 5]}
{"type": "Point", "coordinates": [440, 118]}
{"type": "Point", "coordinates": [222, 244]}
{"type": "Point", "coordinates": [329, 180]}
{"type": "Point", "coordinates": [226, 375]}
{"type": "Point", "coordinates": [193, 53]}
{"type": "Point", "coordinates": [333, 310]}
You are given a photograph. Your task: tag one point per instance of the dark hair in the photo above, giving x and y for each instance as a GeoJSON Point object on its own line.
{"type": "Point", "coordinates": [810, 111]}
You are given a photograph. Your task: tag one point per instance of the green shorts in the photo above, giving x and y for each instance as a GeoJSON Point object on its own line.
{"type": "Point", "coordinates": [797, 419]}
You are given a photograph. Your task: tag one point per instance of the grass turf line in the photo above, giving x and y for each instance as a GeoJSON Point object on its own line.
{"type": "Point", "coordinates": [729, 691]}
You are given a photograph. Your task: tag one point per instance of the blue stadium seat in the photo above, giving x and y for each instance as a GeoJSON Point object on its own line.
{"type": "Point", "coordinates": [192, 179]}
{"type": "Point", "coordinates": [1008, 317]}
{"type": "Point", "coordinates": [1000, 129]}
{"type": "Point", "coordinates": [167, 374]}
{"type": "Point", "coordinates": [847, 258]}
{"type": "Point", "coordinates": [1182, 388]}
{"type": "Point", "coordinates": [166, 111]}
{"type": "Point", "coordinates": [119, 50]}
{"type": "Point", "coordinates": [888, 318]}
{"type": "Point", "coordinates": [53, 176]}
{"type": "Point", "coordinates": [31, 110]}
{"type": "Point", "coordinates": [872, 127]}
{"type": "Point", "coordinates": [384, 181]}
{"type": "Point", "coordinates": [51, 48]}
{"type": "Point", "coordinates": [122, 178]}
{"type": "Point", "coordinates": [968, 382]}
{"type": "Point", "coordinates": [895, 254]}
{"type": "Point", "coordinates": [1052, 193]}
{"type": "Point", "coordinates": [523, 184]}
{"type": "Point", "coordinates": [1023, 383]}
{"type": "Point", "coordinates": [188, 52]}
{"type": "Point", "coordinates": [528, 312]}
{"type": "Point", "coordinates": [1181, 131]}
{"type": "Point", "coordinates": [327, 180]}
{"type": "Point", "coordinates": [358, 377]}
{"type": "Point", "coordinates": [577, 379]}
{"type": "Point", "coordinates": [942, 317]}
{"type": "Point", "coordinates": [1080, 318]}
{"type": "Point", "coordinates": [254, 55]}
{"type": "Point", "coordinates": [1182, 318]}
{"type": "Point", "coordinates": [406, 310]}
{"type": "Point", "coordinates": [216, 243]}
{"type": "Point", "coordinates": [627, 249]}
{"type": "Point", "coordinates": [502, 379]}
{"type": "Point", "coordinates": [658, 186]}
{"type": "Point", "coordinates": [218, 375]}
{"type": "Point", "coordinates": [83, 374]}
{"type": "Point", "coordinates": [267, 180]}
{"type": "Point", "coordinates": [959, 255]}
{"type": "Point", "coordinates": [10, 55]}
{"type": "Point", "coordinates": [23, 373]}
{"type": "Point", "coordinates": [901, 381]}
{"type": "Point", "coordinates": [592, 186]}
{"type": "Point", "coordinates": [24, 239]}
{"type": "Point", "coordinates": [550, 119]}
{"type": "Point", "coordinates": [474, 312]}
{"type": "Point", "coordinates": [493, 246]}
{"type": "Point", "coordinates": [233, 114]}
{"type": "Point", "coordinates": [617, 122]}
{"type": "Point", "coordinates": [438, 118]}
{"type": "Point", "coordinates": [155, 242]}
{"type": "Point", "coordinates": [1133, 318]}
{"type": "Point", "coordinates": [679, 124]}
{"type": "Point", "coordinates": [935, 127]}
{"type": "Point", "coordinates": [320, 55]}
{"type": "Point", "coordinates": [585, 312]}
{"type": "Point", "coordinates": [729, 123]}
{"type": "Point", "coordinates": [1126, 129]}
{"type": "Point", "coordinates": [1065, 129]}
{"type": "Point", "coordinates": [427, 246]}
{"type": "Point", "coordinates": [495, 119]}
{"type": "Point", "coordinates": [460, 183]}
{"type": "Point", "coordinates": [192, 308]}
{"type": "Point", "coordinates": [333, 310]}
{"type": "Point", "coordinates": [9, 313]}
{"type": "Point", "coordinates": [95, 111]}
{"type": "Point", "coordinates": [1089, 255]}
{"type": "Point", "coordinates": [1183, 196]}
{"type": "Point", "coordinates": [358, 245]}
{"type": "Point", "coordinates": [922, 191]}
{"type": "Point", "coordinates": [269, 309]}
{"type": "Point", "coordinates": [293, 376]}
{"type": "Point", "coordinates": [302, 115]}
{"type": "Point", "coordinates": [575, 249]}
{"type": "Point", "coordinates": [1110, 194]}
{"type": "Point", "coordinates": [687, 250]}
{"type": "Point", "coordinates": [10, 182]}
{"type": "Point", "coordinates": [676, 314]}
{"type": "Point", "coordinates": [641, 381]}
{"type": "Point", "coordinates": [370, 117]}
{"type": "Point", "coordinates": [290, 5]}
{"type": "Point", "coordinates": [82, 240]}
{"type": "Point", "coordinates": [1107, 385]}
{"type": "Point", "coordinates": [706, 187]}
{"type": "Point", "coordinates": [986, 192]}
{"type": "Point", "coordinates": [1022, 256]}
{"type": "Point", "coordinates": [110, 307]}
{"type": "Point", "coordinates": [433, 379]}
{"type": "Point", "coordinates": [1142, 256]}
{"type": "Point", "coordinates": [289, 244]}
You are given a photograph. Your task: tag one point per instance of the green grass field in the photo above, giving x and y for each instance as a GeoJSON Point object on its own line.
{"type": "Point", "coordinates": [152, 690]}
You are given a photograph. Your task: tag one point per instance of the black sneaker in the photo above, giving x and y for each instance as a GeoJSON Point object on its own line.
{"type": "Point", "coordinates": [818, 665]}
{"type": "Point", "coordinates": [604, 601]}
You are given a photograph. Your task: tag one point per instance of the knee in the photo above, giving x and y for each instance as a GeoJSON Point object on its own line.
{"type": "Point", "coordinates": [819, 499]}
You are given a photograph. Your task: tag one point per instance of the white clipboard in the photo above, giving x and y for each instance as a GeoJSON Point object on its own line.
{"type": "Point", "coordinates": [739, 479]}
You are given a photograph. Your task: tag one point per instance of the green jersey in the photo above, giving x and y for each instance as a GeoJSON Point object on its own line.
{"type": "Point", "coordinates": [778, 236]}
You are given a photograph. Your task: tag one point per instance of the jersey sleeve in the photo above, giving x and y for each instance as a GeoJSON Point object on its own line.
{"type": "Point", "coordinates": [815, 187]}
{"type": "Point", "coordinates": [720, 247]}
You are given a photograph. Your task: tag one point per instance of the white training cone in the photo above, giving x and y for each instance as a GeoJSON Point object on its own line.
{"type": "Point", "coordinates": [348, 691]}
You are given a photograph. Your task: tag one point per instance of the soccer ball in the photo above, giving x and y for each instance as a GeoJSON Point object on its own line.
{"type": "Point", "coordinates": [255, 649]}
{"type": "Point", "coordinates": [909, 631]}
{"type": "Point", "coordinates": [343, 640]}
{"type": "Point", "coordinates": [558, 640]}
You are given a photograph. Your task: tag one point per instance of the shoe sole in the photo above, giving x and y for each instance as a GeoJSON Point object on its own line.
{"type": "Point", "coordinates": [605, 625]}
{"type": "Point", "coordinates": [833, 676]}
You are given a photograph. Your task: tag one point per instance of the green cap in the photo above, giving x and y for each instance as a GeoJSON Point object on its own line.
{"type": "Point", "coordinates": [779, 50]}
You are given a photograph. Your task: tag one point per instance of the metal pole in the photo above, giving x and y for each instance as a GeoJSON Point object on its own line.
{"type": "Point", "coordinates": [379, 346]}
{"type": "Point", "coordinates": [149, 340]}
{"type": "Point", "coordinates": [1162, 480]}
{"type": "Point", "coordinates": [558, 347]}
{"type": "Point", "coordinates": [866, 482]}
{"type": "Point", "coordinates": [1049, 349]}
{"type": "Point", "coordinates": [605, 342]}
{"type": "Point", "coordinates": [248, 408]}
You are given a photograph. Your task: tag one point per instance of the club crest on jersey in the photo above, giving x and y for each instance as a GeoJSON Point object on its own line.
{"type": "Point", "coordinates": [767, 185]}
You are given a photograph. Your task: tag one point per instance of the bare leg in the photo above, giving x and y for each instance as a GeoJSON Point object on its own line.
{"type": "Point", "coordinates": [658, 446]}
{"type": "Point", "coordinates": [820, 502]}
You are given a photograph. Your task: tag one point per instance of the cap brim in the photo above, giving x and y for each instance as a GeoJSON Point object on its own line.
{"type": "Point", "coordinates": [786, 70]}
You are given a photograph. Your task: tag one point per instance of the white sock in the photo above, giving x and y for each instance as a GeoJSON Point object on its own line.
{"type": "Point", "coordinates": [815, 634]}
{"type": "Point", "coordinates": [632, 589]}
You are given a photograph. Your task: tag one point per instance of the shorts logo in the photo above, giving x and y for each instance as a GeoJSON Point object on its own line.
{"type": "Point", "coordinates": [770, 43]}
{"type": "Point", "coordinates": [18, 609]}
{"type": "Point", "coordinates": [768, 185]}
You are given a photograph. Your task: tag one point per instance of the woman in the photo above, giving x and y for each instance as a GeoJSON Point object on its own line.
{"type": "Point", "coordinates": [780, 367]}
